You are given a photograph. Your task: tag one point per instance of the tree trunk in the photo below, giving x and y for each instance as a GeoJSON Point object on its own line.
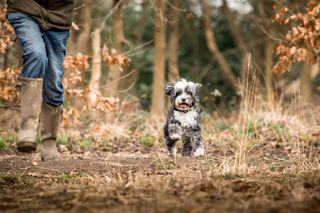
{"type": "Point", "coordinates": [315, 70]}
{"type": "Point", "coordinates": [268, 74]}
{"type": "Point", "coordinates": [173, 43]}
{"type": "Point", "coordinates": [158, 101]}
{"type": "Point", "coordinates": [212, 45]}
{"type": "Point", "coordinates": [268, 51]}
{"type": "Point", "coordinates": [82, 42]}
{"type": "Point", "coordinates": [114, 74]}
{"type": "Point", "coordinates": [305, 82]}
{"type": "Point", "coordinates": [96, 66]}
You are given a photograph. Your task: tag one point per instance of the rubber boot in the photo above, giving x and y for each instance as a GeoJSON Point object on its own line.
{"type": "Point", "coordinates": [50, 119]}
{"type": "Point", "coordinates": [30, 90]}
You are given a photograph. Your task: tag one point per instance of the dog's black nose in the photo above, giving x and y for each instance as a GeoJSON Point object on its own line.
{"type": "Point", "coordinates": [183, 99]}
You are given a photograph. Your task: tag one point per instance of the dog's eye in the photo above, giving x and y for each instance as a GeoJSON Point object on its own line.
{"type": "Point", "coordinates": [189, 93]}
{"type": "Point", "coordinates": [178, 93]}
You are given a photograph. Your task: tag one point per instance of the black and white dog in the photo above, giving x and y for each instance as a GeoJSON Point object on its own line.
{"type": "Point", "coordinates": [183, 121]}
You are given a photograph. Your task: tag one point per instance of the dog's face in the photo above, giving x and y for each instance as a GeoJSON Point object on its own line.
{"type": "Point", "coordinates": [183, 94]}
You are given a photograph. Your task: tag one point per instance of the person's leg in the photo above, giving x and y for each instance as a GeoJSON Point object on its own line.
{"type": "Point", "coordinates": [34, 51]}
{"type": "Point", "coordinates": [52, 92]}
{"type": "Point", "coordinates": [56, 44]}
{"type": "Point", "coordinates": [30, 82]}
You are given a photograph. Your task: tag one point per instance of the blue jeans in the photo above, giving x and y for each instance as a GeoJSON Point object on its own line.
{"type": "Point", "coordinates": [43, 55]}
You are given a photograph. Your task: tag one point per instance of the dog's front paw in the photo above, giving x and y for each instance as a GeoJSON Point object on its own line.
{"type": "Point", "coordinates": [174, 136]}
{"type": "Point", "coordinates": [172, 152]}
{"type": "Point", "coordinates": [187, 149]}
{"type": "Point", "coordinates": [199, 152]}
{"type": "Point", "coordinates": [174, 132]}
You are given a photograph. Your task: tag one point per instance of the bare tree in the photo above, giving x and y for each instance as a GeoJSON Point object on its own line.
{"type": "Point", "coordinates": [268, 74]}
{"type": "Point", "coordinates": [158, 101]}
{"type": "Point", "coordinates": [96, 66]}
{"type": "Point", "coordinates": [82, 43]}
{"type": "Point", "coordinates": [239, 40]}
{"type": "Point", "coordinates": [212, 45]}
{"type": "Point", "coordinates": [305, 82]}
{"type": "Point", "coordinates": [173, 43]}
{"type": "Point", "coordinates": [114, 74]}
{"type": "Point", "coordinates": [268, 50]}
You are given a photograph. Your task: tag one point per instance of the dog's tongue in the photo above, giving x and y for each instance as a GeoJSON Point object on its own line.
{"type": "Point", "coordinates": [183, 105]}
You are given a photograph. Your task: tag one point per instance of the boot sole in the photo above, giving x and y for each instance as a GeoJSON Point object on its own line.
{"type": "Point", "coordinates": [26, 147]}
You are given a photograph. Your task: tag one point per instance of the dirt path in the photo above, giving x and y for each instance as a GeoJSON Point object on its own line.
{"type": "Point", "coordinates": [131, 182]}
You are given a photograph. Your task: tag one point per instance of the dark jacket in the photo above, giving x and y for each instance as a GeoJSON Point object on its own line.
{"type": "Point", "coordinates": [49, 13]}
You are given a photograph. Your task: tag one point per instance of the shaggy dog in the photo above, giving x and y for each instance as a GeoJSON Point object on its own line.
{"type": "Point", "coordinates": [183, 121]}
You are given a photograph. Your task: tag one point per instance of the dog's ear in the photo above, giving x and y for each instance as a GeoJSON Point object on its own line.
{"type": "Point", "coordinates": [169, 88]}
{"type": "Point", "coordinates": [198, 85]}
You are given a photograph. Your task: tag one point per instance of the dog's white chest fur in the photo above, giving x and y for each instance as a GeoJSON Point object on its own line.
{"type": "Point", "coordinates": [187, 119]}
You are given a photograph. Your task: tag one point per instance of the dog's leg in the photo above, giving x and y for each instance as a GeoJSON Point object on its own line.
{"type": "Point", "coordinates": [172, 133]}
{"type": "Point", "coordinates": [171, 146]}
{"type": "Point", "coordinates": [198, 147]}
{"type": "Point", "coordinates": [187, 146]}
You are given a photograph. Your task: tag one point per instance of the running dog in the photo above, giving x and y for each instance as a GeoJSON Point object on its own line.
{"type": "Point", "coordinates": [183, 121]}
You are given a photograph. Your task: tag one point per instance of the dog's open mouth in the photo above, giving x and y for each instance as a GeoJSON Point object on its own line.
{"type": "Point", "coordinates": [183, 106]}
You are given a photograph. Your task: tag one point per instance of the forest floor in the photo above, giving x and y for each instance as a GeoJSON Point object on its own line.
{"type": "Point", "coordinates": [135, 182]}
{"type": "Point", "coordinates": [279, 173]}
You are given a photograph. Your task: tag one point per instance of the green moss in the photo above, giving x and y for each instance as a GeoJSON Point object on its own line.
{"type": "Point", "coordinates": [106, 146]}
{"type": "Point", "coordinates": [221, 126]}
{"type": "Point", "coordinates": [62, 140]}
{"type": "Point", "coordinates": [279, 128]}
{"type": "Point", "coordinates": [250, 128]}
{"type": "Point", "coordinates": [2, 144]}
{"type": "Point", "coordinates": [168, 164]}
{"type": "Point", "coordinates": [147, 140]}
{"type": "Point", "coordinates": [11, 139]}
{"type": "Point", "coordinates": [85, 143]}
{"type": "Point", "coordinates": [65, 177]}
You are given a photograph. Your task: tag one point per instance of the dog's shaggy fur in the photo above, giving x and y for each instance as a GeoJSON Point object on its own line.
{"type": "Point", "coordinates": [183, 121]}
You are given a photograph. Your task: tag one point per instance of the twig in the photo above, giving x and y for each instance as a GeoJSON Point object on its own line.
{"type": "Point", "coordinates": [137, 48]}
{"type": "Point", "coordinates": [118, 79]}
{"type": "Point", "coordinates": [116, 164]}
{"type": "Point", "coordinates": [109, 14]}
{"type": "Point", "coordinates": [128, 88]}
{"type": "Point", "coordinates": [25, 169]}
{"type": "Point", "coordinates": [45, 168]}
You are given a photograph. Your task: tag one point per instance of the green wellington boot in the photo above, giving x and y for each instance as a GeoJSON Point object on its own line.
{"type": "Point", "coordinates": [30, 90]}
{"type": "Point", "coordinates": [50, 119]}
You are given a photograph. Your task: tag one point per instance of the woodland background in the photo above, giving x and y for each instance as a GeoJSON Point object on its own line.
{"type": "Point", "coordinates": [209, 42]}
